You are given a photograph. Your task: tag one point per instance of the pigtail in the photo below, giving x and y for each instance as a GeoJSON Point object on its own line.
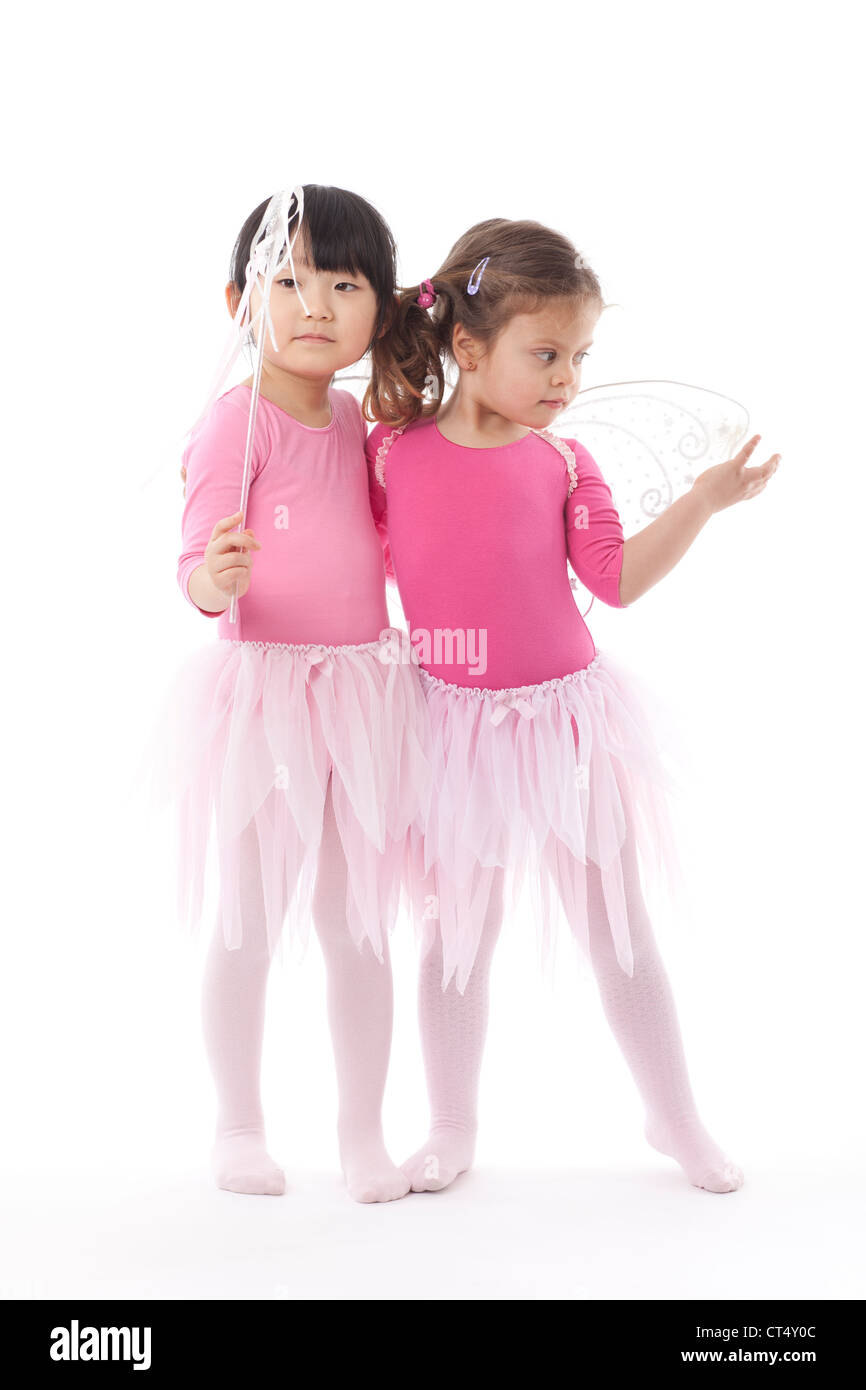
{"type": "Point", "coordinates": [406, 359]}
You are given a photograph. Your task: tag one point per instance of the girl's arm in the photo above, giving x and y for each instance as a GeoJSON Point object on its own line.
{"type": "Point", "coordinates": [653, 552]}
{"type": "Point", "coordinates": [200, 588]}
{"type": "Point", "coordinates": [229, 564]}
{"type": "Point", "coordinates": [204, 593]}
{"type": "Point", "coordinates": [214, 469]}
{"type": "Point", "coordinates": [593, 531]}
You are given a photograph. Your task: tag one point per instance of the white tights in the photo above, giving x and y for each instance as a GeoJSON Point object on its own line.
{"type": "Point", "coordinates": [360, 1011]}
{"type": "Point", "coordinates": [641, 1013]}
{"type": "Point", "coordinates": [640, 1010]}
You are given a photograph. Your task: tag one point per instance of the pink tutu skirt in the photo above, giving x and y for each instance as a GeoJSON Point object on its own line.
{"type": "Point", "coordinates": [249, 735]}
{"type": "Point", "coordinates": [542, 781]}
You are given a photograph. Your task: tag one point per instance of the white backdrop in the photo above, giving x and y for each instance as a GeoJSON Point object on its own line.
{"type": "Point", "coordinates": [706, 160]}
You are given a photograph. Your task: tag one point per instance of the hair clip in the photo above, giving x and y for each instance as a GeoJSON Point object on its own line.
{"type": "Point", "coordinates": [580, 263]}
{"type": "Point", "coordinates": [479, 270]}
{"type": "Point", "coordinates": [427, 296]}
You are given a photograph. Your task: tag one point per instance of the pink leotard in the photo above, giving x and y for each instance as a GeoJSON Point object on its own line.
{"type": "Point", "coordinates": [480, 538]}
{"type": "Point", "coordinates": [318, 577]}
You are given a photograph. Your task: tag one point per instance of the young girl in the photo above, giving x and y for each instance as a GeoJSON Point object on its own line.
{"type": "Point", "coordinates": [544, 756]}
{"type": "Point", "coordinates": [294, 731]}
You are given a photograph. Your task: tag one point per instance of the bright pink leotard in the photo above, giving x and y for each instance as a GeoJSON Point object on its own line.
{"type": "Point", "coordinates": [318, 576]}
{"type": "Point", "coordinates": [480, 539]}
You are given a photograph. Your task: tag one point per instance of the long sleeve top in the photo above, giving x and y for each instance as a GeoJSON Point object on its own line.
{"type": "Point", "coordinates": [318, 577]}
{"type": "Point", "coordinates": [479, 541]}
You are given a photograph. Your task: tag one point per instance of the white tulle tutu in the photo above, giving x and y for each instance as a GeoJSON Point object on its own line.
{"type": "Point", "coordinates": [540, 781]}
{"type": "Point", "coordinates": [249, 733]}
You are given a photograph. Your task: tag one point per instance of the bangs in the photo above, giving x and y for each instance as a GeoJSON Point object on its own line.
{"type": "Point", "coordinates": [341, 231]}
{"type": "Point", "coordinates": [328, 244]}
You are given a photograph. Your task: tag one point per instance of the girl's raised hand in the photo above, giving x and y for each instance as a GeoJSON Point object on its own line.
{"type": "Point", "coordinates": [227, 555]}
{"type": "Point", "coordinates": [183, 475]}
{"type": "Point", "coordinates": [730, 482]}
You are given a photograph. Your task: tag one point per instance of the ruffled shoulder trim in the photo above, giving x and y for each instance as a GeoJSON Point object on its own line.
{"type": "Point", "coordinates": [567, 453]}
{"type": "Point", "coordinates": [382, 453]}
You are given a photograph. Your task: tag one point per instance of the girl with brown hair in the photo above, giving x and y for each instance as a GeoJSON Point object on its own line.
{"type": "Point", "coordinates": [546, 756]}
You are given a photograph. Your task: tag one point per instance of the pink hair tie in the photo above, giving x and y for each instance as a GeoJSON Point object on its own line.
{"type": "Point", "coordinates": [428, 296]}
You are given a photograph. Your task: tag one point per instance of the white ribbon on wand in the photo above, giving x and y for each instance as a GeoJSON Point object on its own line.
{"type": "Point", "coordinates": [266, 256]}
{"type": "Point", "coordinates": [248, 453]}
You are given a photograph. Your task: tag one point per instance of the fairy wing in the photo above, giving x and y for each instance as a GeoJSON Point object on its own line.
{"type": "Point", "coordinates": [651, 439]}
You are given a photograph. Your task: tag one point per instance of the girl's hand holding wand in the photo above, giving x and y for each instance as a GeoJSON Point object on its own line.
{"type": "Point", "coordinates": [228, 561]}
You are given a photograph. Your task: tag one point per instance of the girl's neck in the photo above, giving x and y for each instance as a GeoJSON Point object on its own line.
{"type": "Point", "coordinates": [468, 423]}
{"type": "Point", "coordinates": [307, 401]}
